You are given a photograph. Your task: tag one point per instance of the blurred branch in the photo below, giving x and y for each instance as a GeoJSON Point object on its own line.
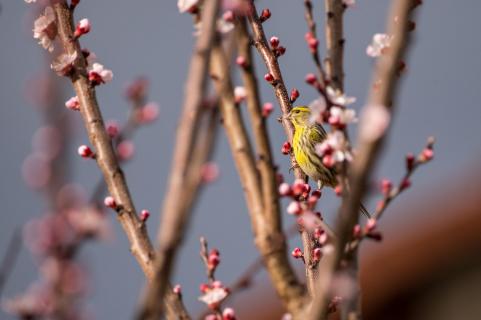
{"type": "Point", "coordinates": [8, 261]}
{"type": "Point", "coordinates": [185, 171]}
{"type": "Point", "coordinates": [334, 43]}
{"type": "Point", "coordinates": [382, 94]}
{"type": "Point", "coordinates": [269, 241]}
{"type": "Point", "coordinates": [107, 161]}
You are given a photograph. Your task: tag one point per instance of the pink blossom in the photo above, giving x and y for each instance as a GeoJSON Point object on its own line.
{"type": "Point", "coordinates": [349, 3]}
{"type": "Point", "coordinates": [36, 170]}
{"type": "Point", "coordinates": [148, 113]}
{"type": "Point", "coordinates": [125, 150]}
{"type": "Point", "coordinates": [99, 75]}
{"type": "Point", "coordinates": [317, 107]}
{"type": "Point", "coordinates": [63, 65]}
{"type": "Point", "coordinates": [375, 120]}
{"type": "Point", "coordinates": [294, 208]}
{"type": "Point", "coordinates": [36, 301]}
{"type": "Point", "coordinates": [73, 103]}
{"type": "Point", "coordinates": [338, 97]}
{"type": "Point", "coordinates": [228, 314]}
{"type": "Point", "coordinates": [284, 189]}
{"type": "Point", "coordinates": [297, 253]}
{"type": "Point", "coordinates": [334, 147]}
{"type": "Point", "coordinates": [177, 289]}
{"type": "Point", "coordinates": [240, 94]}
{"type": "Point", "coordinates": [380, 43]}
{"type": "Point", "coordinates": [110, 202]}
{"type": "Point", "coordinates": [341, 116]}
{"type": "Point", "coordinates": [89, 222]}
{"type": "Point", "coordinates": [209, 172]}
{"type": "Point", "coordinates": [186, 5]}
{"type": "Point", "coordinates": [45, 29]}
{"type": "Point", "coordinates": [112, 128]}
{"type": "Point", "coordinates": [316, 254]}
{"type": "Point", "coordinates": [214, 296]}
{"type": "Point", "coordinates": [241, 61]}
{"type": "Point", "coordinates": [267, 108]}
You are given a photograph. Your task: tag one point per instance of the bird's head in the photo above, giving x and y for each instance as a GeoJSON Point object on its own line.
{"type": "Point", "coordinates": [300, 116]}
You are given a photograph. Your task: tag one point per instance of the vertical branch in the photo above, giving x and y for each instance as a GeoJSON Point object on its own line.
{"type": "Point", "coordinates": [311, 24]}
{"type": "Point", "coordinates": [269, 241]}
{"type": "Point", "coordinates": [176, 208]}
{"type": "Point", "coordinates": [382, 95]}
{"type": "Point", "coordinates": [335, 43]}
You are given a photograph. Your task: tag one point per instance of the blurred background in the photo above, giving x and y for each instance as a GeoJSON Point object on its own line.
{"type": "Point", "coordinates": [429, 263]}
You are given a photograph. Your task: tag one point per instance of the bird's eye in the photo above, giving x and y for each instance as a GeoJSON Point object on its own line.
{"type": "Point", "coordinates": [297, 111]}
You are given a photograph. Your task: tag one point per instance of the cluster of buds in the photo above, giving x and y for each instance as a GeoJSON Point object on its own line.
{"type": "Point", "coordinates": [276, 48]}
{"type": "Point", "coordinates": [334, 149]}
{"type": "Point", "coordinates": [312, 42]}
{"type": "Point", "coordinates": [368, 231]}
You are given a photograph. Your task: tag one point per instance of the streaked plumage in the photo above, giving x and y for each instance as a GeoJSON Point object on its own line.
{"type": "Point", "coordinates": [307, 135]}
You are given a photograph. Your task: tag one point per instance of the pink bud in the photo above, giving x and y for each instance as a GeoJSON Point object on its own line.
{"type": "Point", "coordinates": [313, 44]}
{"type": "Point", "coordinates": [386, 186]}
{"type": "Point", "coordinates": [83, 27]}
{"type": "Point", "coordinates": [213, 261]}
{"type": "Point", "coordinates": [294, 208]}
{"type": "Point", "coordinates": [297, 253]}
{"type": "Point", "coordinates": [110, 202]}
{"type": "Point", "coordinates": [356, 232]}
{"type": "Point", "coordinates": [112, 128]}
{"type": "Point", "coordinates": [316, 254]}
{"type": "Point", "coordinates": [267, 108]}
{"type": "Point", "coordinates": [228, 16]}
{"type": "Point", "coordinates": [240, 94]}
{"type": "Point", "coordinates": [204, 287]}
{"type": "Point", "coordinates": [149, 113]}
{"type": "Point", "coordinates": [269, 77]}
{"type": "Point", "coordinates": [125, 150]}
{"type": "Point", "coordinates": [177, 289]}
{"type": "Point", "coordinates": [410, 161]}
{"type": "Point", "coordinates": [73, 103]}
{"type": "Point", "coordinates": [284, 189]}
{"type": "Point", "coordinates": [328, 161]}
{"type": "Point", "coordinates": [241, 61]}
{"type": "Point", "coordinates": [280, 51]}
{"type": "Point", "coordinates": [274, 41]}
{"type": "Point", "coordinates": [406, 183]}
{"type": "Point", "coordinates": [294, 94]}
{"type": "Point", "coordinates": [371, 224]}
{"type": "Point", "coordinates": [428, 154]}
{"type": "Point", "coordinates": [144, 215]}
{"type": "Point", "coordinates": [298, 187]}
{"type": "Point", "coordinates": [323, 239]}
{"type": "Point", "coordinates": [228, 314]}
{"type": "Point", "coordinates": [209, 172]}
{"type": "Point", "coordinates": [85, 152]}
{"type": "Point", "coordinates": [311, 78]}
{"type": "Point", "coordinates": [286, 148]}
{"type": "Point", "coordinates": [338, 190]}
{"type": "Point", "coordinates": [74, 3]}
{"type": "Point", "coordinates": [318, 232]}
{"type": "Point", "coordinates": [217, 284]}
{"type": "Point", "coordinates": [316, 193]}
{"type": "Point", "coordinates": [265, 14]}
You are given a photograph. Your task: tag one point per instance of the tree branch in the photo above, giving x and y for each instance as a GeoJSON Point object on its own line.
{"type": "Point", "coordinates": [184, 174]}
{"type": "Point", "coordinates": [334, 43]}
{"type": "Point", "coordinates": [382, 94]}
{"type": "Point", "coordinates": [269, 241]}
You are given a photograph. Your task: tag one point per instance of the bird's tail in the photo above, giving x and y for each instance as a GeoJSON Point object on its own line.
{"type": "Point", "coordinates": [364, 211]}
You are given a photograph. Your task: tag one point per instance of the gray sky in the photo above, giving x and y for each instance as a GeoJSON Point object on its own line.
{"type": "Point", "coordinates": [440, 96]}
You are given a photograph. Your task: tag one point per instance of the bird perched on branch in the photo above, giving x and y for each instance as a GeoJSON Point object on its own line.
{"type": "Point", "coordinates": [307, 135]}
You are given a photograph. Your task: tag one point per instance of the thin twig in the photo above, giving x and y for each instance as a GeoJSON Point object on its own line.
{"type": "Point", "coordinates": [282, 95]}
{"type": "Point", "coordinates": [176, 208]}
{"type": "Point", "coordinates": [382, 94]}
{"type": "Point", "coordinates": [107, 161]}
{"type": "Point", "coordinates": [270, 242]}
{"type": "Point", "coordinates": [311, 24]}
{"type": "Point", "coordinates": [334, 43]}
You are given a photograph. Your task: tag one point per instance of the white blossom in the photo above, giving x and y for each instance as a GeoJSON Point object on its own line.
{"type": "Point", "coordinates": [374, 121]}
{"type": "Point", "coordinates": [341, 116]}
{"type": "Point", "coordinates": [335, 146]}
{"type": "Point", "coordinates": [186, 5]}
{"type": "Point", "coordinates": [317, 108]}
{"type": "Point", "coordinates": [99, 74]}
{"type": "Point", "coordinates": [337, 97]}
{"type": "Point", "coordinates": [64, 63]}
{"type": "Point", "coordinates": [214, 296]}
{"type": "Point", "coordinates": [45, 29]}
{"type": "Point", "coordinates": [349, 3]}
{"type": "Point", "coordinates": [380, 42]}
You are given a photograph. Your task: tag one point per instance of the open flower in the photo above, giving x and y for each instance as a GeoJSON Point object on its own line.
{"type": "Point", "coordinates": [187, 5]}
{"type": "Point", "coordinates": [334, 149]}
{"type": "Point", "coordinates": [99, 75]}
{"type": "Point", "coordinates": [64, 63]}
{"type": "Point", "coordinates": [213, 296]}
{"type": "Point", "coordinates": [380, 42]}
{"type": "Point", "coordinates": [337, 97]}
{"type": "Point", "coordinates": [341, 116]}
{"type": "Point", "coordinates": [45, 29]}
